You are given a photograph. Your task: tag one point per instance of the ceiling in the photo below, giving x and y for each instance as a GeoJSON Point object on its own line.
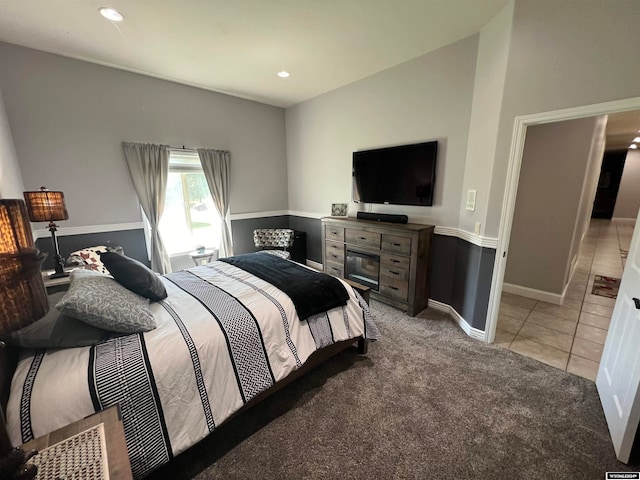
{"type": "Point", "coordinates": [238, 46]}
{"type": "Point", "coordinates": [622, 128]}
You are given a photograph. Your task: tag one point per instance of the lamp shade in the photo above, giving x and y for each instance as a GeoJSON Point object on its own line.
{"type": "Point", "coordinates": [23, 298]}
{"type": "Point", "coordinates": [46, 206]}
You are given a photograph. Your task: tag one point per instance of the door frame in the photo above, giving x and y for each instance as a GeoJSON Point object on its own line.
{"type": "Point", "coordinates": [511, 188]}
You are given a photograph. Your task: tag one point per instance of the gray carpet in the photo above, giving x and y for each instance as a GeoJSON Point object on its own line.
{"type": "Point", "coordinates": [425, 402]}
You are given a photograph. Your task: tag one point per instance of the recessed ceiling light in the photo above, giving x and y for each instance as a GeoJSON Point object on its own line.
{"type": "Point", "coordinates": [111, 14]}
{"type": "Point", "coordinates": [283, 74]}
{"type": "Point", "coordinates": [636, 140]}
{"type": "Point", "coordinates": [633, 146]}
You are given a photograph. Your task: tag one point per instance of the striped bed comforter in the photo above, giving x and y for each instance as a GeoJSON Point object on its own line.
{"type": "Point", "coordinates": [223, 337]}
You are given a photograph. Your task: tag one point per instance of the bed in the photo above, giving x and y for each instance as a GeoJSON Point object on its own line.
{"type": "Point", "coordinates": [224, 339]}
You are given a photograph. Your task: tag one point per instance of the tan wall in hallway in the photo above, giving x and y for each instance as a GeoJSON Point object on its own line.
{"type": "Point", "coordinates": [552, 179]}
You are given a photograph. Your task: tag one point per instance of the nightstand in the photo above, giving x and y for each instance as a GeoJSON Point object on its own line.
{"type": "Point", "coordinates": [203, 257]}
{"type": "Point", "coordinates": [77, 442]}
{"type": "Point", "coordinates": [55, 285]}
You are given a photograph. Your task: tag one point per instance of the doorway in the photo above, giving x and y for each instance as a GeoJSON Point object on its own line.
{"type": "Point", "coordinates": [609, 183]}
{"type": "Point", "coordinates": [571, 337]}
{"type": "Point", "coordinates": [584, 281]}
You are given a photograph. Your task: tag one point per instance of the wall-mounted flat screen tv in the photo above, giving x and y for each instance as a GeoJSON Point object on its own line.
{"type": "Point", "coordinates": [402, 175]}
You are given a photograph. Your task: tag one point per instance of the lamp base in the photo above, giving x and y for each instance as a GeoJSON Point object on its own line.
{"type": "Point", "coordinates": [14, 465]}
{"type": "Point", "coordinates": [59, 265]}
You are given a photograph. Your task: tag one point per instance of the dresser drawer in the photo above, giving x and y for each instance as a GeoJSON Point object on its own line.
{"type": "Point", "coordinates": [362, 238]}
{"type": "Point", "coordinates": [394, 262]}
{"type": "Point", "coordinates": [334, 251]}
{"type": "Point", "coordinates": [395, 273]}
{"type": "Point", "coordinates": [333, 268]}
{"type": "Point", "coordinates": [396, 289]}
{"type": "Point", "coordinates": [393, 243]}
{"type": "Point", "coordinates": [334, 233]}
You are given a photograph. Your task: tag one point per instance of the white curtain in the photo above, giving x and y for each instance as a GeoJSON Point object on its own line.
{"type": "Point", "coordinates": [216, 165]}
{"type": "Point", "coordinates": [149, 168]}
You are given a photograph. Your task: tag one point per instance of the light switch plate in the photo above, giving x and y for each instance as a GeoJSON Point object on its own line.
{"type": "Point", "coordinates": [471, 200]}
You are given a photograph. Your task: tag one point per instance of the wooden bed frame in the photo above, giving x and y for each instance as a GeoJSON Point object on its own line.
{"type": "Point", "coordinates": [9, 361]}
{"type": "Point", "coordinates": [316, 358]}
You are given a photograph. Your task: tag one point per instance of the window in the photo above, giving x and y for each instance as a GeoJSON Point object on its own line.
{"type": "Point", "coordinates": [189, 218]}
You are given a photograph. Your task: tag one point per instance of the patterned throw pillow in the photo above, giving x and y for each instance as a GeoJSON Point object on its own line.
{"type": "Point", "coordinates": [100, 301]}
{"type": "Point", "coordinates": [91, 258]}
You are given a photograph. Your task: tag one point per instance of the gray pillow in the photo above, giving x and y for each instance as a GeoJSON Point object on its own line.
{"type": "Point", "coordinates": [100, 301]}
{"type": "Point", "coordinates": [56, 330]}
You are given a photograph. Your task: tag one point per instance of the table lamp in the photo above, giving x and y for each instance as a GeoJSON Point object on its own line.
{"type": "Point", "coordinates": [47, 206]}
{"type": "Point", "coordinates": [24, 300]}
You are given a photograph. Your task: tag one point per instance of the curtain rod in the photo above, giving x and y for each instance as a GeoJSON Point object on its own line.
{"type": "Point", "coordinates": [183, 148]}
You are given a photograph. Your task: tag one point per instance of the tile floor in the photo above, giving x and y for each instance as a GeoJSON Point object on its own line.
{"type": "Point", "coordinates": [571, 336]}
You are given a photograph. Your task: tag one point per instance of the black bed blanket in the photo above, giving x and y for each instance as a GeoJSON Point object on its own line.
{"type": "Point", "coordinates": [311, 292]}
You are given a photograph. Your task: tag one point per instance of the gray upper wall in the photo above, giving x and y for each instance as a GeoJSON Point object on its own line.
{"type": "Point", "coordinates": [561, 55]}
{"type": "Point", "coordinates": [428, 98]}
{"type": "Point", "coordinates": [68, 119]}
{"type": "Point", "coordinates": [11, 185]}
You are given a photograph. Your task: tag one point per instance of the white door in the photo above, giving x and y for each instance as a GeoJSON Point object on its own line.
{"type": "Point", "coordinates": [618, 379]}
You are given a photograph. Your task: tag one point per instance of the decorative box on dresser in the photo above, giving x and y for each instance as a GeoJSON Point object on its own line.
{"type": "Point", "coordinates": [394, 255]}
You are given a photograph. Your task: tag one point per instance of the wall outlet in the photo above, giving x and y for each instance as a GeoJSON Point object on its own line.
{"type": "Point", "coordinates": [477, 229]}
{"type": "Point", "coordinates": [471, 200]}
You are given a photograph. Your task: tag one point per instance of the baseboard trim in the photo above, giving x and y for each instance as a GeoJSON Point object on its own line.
{"type": "Point", "coordinates": [487, 242]}
{"type": "Point", "coordinates": [317, 216]}
{"type": "Point", "coordinates": [275, 213]}
{"type": "Point", "coordinates": [250, 215]}
{"type": "Point", "coordinates": [462, 323]}
{"type": "Point", "coordinates": [541, 295]}
{"type": "Point", "coordinates": [113, 227]}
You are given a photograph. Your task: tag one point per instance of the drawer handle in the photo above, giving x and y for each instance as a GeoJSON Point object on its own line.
{"type": "Point", "coordinates": [362, 238]}
{"type": "Point", "coordinates": [396, 244]}
{"type": "Point", "coordinates": [394, 261]}
{"type": "Point", "coordinates": [395, 273]}
{"type": "Point", "coordinates": [334, 255]}
{"type": "Point", "coordinates": [393, 288]}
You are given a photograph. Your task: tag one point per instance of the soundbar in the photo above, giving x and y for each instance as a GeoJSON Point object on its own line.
{"type": "Point", "coordinates": [383, 217]}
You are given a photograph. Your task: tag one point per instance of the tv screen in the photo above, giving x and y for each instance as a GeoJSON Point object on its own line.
{"type": "Point", "coordinates": [403, 175]}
